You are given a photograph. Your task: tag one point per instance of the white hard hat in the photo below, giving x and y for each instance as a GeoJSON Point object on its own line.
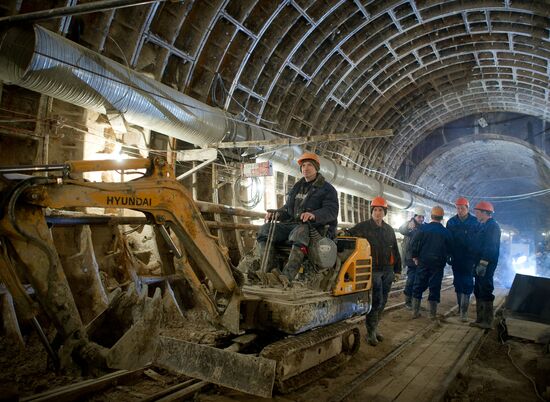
{"type": "Point", "coordinates": [420, 211]}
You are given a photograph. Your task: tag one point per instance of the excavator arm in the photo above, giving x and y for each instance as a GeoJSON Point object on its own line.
{"type": "Point", "coordinates": [164, 201]}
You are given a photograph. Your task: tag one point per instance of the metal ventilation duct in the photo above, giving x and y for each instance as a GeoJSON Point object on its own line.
{"type": "Point", "coordinates": [48, 63]}
{"type": "Point", "coordinates": [348, 180]}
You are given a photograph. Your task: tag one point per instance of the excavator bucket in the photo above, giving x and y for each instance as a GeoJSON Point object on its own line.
{"type": "Point", "coordinates": [246, 373]}
{"type": "Point", "coordinates": [128, 328]}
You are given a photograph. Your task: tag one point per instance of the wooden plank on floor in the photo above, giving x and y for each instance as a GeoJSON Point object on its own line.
{"type": "Point", "coordinates": [406, 371]}
{"type": "Point", "coordinates": [370, 390]}
{"type": "Point", "coordinates": [422, 371]}
{"type": "Point", "coordinates": [401, 371]}
{"type": "Point", "coordinates": [430, 369]}
{"type": "Point", "coordinates": [432, 373]}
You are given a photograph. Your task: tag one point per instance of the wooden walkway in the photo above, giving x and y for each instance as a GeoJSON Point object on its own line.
{"type": "Point", "coordinates": [424, 370]}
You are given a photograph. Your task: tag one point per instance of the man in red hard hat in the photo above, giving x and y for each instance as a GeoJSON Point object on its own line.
{"type": "Point", "coordinates": [312, 200]}
{"type": "Point", "coordinates": [487, 253]}
{"type": "Point", "coordinates": [463, 226]}
{"type": "Point", "coordinates": [386, 262]}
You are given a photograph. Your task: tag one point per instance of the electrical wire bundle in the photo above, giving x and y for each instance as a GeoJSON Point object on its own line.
{"type": "Point", "coordinates": [252, 189]}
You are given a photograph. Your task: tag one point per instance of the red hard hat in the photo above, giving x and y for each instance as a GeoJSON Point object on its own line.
{"type": "Point", "coordinates": [379, 202]}
{"type": "Point", "coordinates": [309, 155]}
{"type": "Point", "coordinates": [485, 206]}
{"type": "Point", "coordinates": [462, 201]}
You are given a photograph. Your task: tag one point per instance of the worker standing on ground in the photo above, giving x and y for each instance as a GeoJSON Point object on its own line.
{"type": "Point", "coordinates": [463, 226]}
{"type": "Point", "coordinates": [488, 247]}
{"type": "Point", "coordinates": [386, 262]}
{"type": "Point", "coordinates": [312, 200]}
{"type": "Point", "coordinates": [408, 230]}
{"type": "Point", "coordinates": [430, 249]}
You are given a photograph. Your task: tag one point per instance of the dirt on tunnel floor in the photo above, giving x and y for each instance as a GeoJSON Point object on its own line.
{"type": "Point", "coordinates": [490, 376]}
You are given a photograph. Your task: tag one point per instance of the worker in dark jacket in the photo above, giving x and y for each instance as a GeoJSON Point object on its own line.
{"type": "Point", "coordinates": [311, 201]}
{"type": "Point", "coordinates": [386, 262]}
{"type": "Point", "coordinates": [430, 249]}
{"type": "Point", "coordinates": [409, 229]}
{"type": "Point", "coordinates": [488, 248]}
{"type": "Point", "coordinates": [463, 226]}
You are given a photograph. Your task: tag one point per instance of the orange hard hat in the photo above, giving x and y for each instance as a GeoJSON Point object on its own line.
{"type": "Point", "coordinates": [437, 211]}
{"type": "Point", "coordinates": [379, 202]}
{"type": "Point", "coordinates": [485, 206]}
{"type": "Point", "coordinates": [309, 155]}
{"type": "Point", "coordinates": [462, 201]}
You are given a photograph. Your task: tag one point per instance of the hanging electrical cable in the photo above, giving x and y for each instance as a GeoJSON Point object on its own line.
{"type": "Point", "coordinates": [253, 190]}
{"type": "Point", "coordinates": [509, 198]}
{"type": "Point", "coordinates": [364, 168]}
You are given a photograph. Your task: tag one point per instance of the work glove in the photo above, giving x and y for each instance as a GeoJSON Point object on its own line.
{"type": "Point", "coordinates": [396, 276]}
{"type": "Point", "coordinates": [342, 232]}
{"type": "Point", "coordinates": [481, 268]}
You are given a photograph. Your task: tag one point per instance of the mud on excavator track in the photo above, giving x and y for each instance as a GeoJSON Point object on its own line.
{"type": "Point", "coordinates": [306, 326]}
{"type": "Point", "coordinates": [304, 358]}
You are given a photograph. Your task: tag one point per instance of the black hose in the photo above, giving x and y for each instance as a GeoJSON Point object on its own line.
{"type": "Point", "coordinates": [18, 190]}
{"type": "Point", "coordinates": [46, 343]}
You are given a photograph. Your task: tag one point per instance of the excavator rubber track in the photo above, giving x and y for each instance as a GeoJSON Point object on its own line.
{"type": "Point", "coordinates": [306, 357]}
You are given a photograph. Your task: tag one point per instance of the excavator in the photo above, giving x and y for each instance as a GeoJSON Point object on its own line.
{"type": "Point", "coordinates": [251, 336]}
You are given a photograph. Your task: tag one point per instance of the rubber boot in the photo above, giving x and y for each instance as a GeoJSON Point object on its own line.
{"type": "Point", "coordinates": [294, 262]}
{"type": "Point", "coordinates": [487, 315]}
{"type": "Point", "coordinates": [433, 309]}
{"type": "Point", "coordinates": [459, 302]}
{"type": "Point", "coordinates": [371, 323]}
{"type": "Point", "coordinates": [408, 302]}
{"type": "Point", "coordinates": [379, 336]}
{"type": "Point", "coordinates": [415, 308]}
{"type": "Point", "coordinates": [479, 314]}
{"type": "Point", "coordinates": [464, 303]}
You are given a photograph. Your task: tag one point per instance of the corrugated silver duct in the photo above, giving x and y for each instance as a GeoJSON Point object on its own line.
{"type": "Point", "coordinates": [347, 180]}
{"type": "Point", "coordinates": [48, 63]}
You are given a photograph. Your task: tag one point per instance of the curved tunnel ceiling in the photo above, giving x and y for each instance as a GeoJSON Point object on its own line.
{"type": "Point", "coordinates": [488, 167]}
{"type": "Point", "coordinates": [309, 67]}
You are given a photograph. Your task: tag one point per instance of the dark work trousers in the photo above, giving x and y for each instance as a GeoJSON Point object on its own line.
{"type": "Point", "coordinates": [411, 275]}
{"type": "Point", "coordinates": [296, 233]}
{"type": "Point", "coordinates": [463, 278]}
{"type": "Point", "coordinates": [483, 288]}
{"type": "Point", "coordinates": [381, 284]}
{"type": "Point", "coordinates": [428, 277]}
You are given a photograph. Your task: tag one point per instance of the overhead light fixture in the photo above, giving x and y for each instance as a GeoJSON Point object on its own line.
{"type": "Point", "coordinates": [482, 122]}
